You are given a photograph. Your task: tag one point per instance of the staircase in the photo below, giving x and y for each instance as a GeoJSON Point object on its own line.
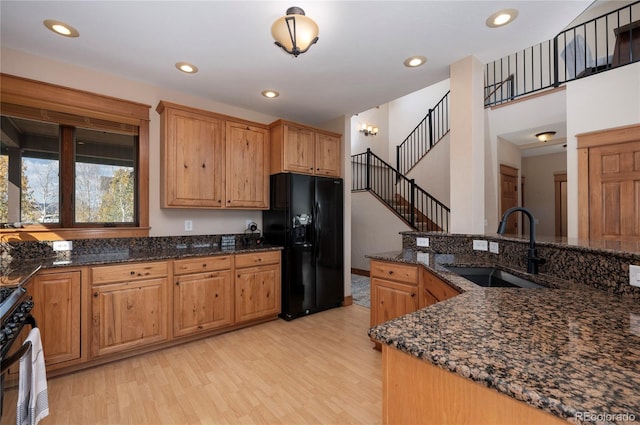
{"type": "Point", "coordinates": [403, 196]}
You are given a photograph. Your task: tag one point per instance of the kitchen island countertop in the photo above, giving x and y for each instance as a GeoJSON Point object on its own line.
{"type": "Point", "coordinates": [571, 350]}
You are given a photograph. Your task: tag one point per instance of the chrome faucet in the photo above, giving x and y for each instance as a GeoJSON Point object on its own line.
{"type": "Point", "coordinates": [532, 257]}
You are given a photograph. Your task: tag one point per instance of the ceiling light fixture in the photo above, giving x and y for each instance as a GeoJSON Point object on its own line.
{"type": "Point", "coordinates": [369, 130]}
{"type": "Point", "coordinates": [61, 28]}
{"type": "Point", "coordinates": [270, 94]}
{"type": "Point", "coordinates": [187, 67]}
{"type": "Point", "coordinates": [501, 18]}
{"type": "Point", "coordinates": [545, 136]}
{"type": "Point", "coordinates": [414, 61]}
{"type": "Point", "coordinates": [295, 32]}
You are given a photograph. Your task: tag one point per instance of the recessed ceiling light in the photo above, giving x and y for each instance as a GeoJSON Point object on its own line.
{"type": "Point", "coordinates": [501, 18]}
{"type": "Point", "coordinates": [186, 67]}
{"type": "Point", "coordinates": [415, 61]}
{"type": "Point", "coordinates": [270, 93]}
{"type": "Point", "coordinates": [61, 28]}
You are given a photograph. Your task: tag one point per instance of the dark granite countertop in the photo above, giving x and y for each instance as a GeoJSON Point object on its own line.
{"type": "Point", "coordinates": [17, 271]}
{"type": "Point", "coordinates": [568, 349]}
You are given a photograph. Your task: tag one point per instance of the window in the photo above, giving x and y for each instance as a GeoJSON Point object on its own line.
{"type": "Point", "coordinates": [103, 181]}
{"type": "Point", "coordinates": [73, 164]}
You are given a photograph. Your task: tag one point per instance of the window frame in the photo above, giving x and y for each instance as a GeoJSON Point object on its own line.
{"type": "Point", "coordinates": [49, 97]}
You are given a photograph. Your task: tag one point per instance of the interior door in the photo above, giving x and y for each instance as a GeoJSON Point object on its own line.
{"type": "Point", "coordinates": [614, 192]}
{"type": "Point", "coordinates": [509, 196]}
{"type": "Point", "coordinates": [560, 185]}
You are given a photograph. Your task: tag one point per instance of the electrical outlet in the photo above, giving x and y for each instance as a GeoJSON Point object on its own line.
{"type": "Point", "coordinates": [634, 275]}
{"type": "Point", "coordinates": [422, 242]}
{"type": "Point", "coordinates": [480, 245]}
{"type": "Point", "coordinates": [423, 257]}
{"type": "Point", "coordinates": [188, 225]}
{"type": "Point", "coordinates": [62, 245]}
{"type": "Point", "coordinates": [494, 247]}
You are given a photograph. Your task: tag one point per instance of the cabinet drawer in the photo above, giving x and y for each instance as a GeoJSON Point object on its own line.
{"type": "Point", "coordinates": [256, 259]}
{"type": "Point", "coordinates": [202, 264]}
{"type": "Point", "coordinates": [128, 272]}
{"type": "Point", "coordinates": [395, 271]}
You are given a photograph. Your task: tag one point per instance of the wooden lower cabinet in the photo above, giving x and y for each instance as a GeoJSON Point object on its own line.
{"type": "Point", "coordinates": [257, 286]}
{"type": "Point", "coordinates": [415, 391]}
{"type": "Point", "coordinates": [398, 289]}
{"type": "Point", "coordinates": [434, 289]}
{"type": "Point", "coordinates": [202, 302]}
{"type": "Point", "coordinates": [129, 315]}
{"type": "Point", "coordinates": [394, 290]}
{"type": "Point", "coordinates": [391, 299]}
{"type": "Point", "coordinates": [57, 311]}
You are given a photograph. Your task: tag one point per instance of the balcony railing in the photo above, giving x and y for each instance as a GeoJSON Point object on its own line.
{"type": "Point", "coordinates": [594, 46]}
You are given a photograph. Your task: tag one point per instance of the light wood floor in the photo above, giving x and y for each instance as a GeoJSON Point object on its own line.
{"type": "Point", "coordinates": [320, 369]}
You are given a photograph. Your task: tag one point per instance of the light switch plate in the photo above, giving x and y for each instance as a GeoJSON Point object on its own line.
{"type": "Point", "coordinates": [422, 242]}
{"type": "Point", "coordinates": [480, 245]}
{"type": "Point", "coordinates": [634, 275]}
{"type": "Point", "coordinates": [494, 247]}
{"type": "Point", "coordinates": [62, 245]}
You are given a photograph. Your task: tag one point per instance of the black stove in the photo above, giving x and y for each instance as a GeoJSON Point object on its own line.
{"type": "Point", "coordinates": [15, 308]}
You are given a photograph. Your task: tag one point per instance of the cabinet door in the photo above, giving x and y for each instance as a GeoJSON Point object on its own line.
{"type": "Point", "coordinates": [391, 299]}
{"type": "Point", "coordinates": [327, 157]}
{"type": "Point", "coordinates": [247, 184]}
{"type": "Point", "coordinates": [298, 149]}
{"type": "Point", "coordinates": [439, 289]}
{"type": "Point", "coordinates": [202, 302]}
{"type": "Point", "coordinates": [129, 315]}
{"type": "Point", "coordinates": [56, 308]}
{"type": "Point", "coordinates": [257, 292]}
{"type": "Point", "coordinates": [194, 160]}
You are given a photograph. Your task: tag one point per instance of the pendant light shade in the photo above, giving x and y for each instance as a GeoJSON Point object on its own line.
{"type": "Point", "coordinates": [295, 32]}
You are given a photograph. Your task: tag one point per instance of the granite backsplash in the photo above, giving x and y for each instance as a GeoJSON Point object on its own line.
{"type": "Point", "coordinates": [32, 250]}
{"type": "Point", "coordinates": [603, 269]}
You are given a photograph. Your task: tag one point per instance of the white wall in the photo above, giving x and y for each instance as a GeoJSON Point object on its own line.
{"type": "Point", "coordinates": [531, 113]}
{"type": "Point", "coordinates": [432, 172]}
{"type": "Point", "coordinates": [539, 188]}
{"type": "Point", "coordinates": [379, 144]}
{"type": "Point", "coordinates": [374, 229]}
{"type": "Point", "coordinates": [606, 100]}
{"type": "Point", "coordinates": [467, 147]}
{"type": "Point", "coordinates": [406, 112]}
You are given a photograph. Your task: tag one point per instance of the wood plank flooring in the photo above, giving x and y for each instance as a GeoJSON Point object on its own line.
{"type": "Point", "coordinates": [319, 369]}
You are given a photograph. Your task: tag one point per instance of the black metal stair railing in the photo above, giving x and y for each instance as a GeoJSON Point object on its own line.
{"type": "Point", "coordinates": [427, 133]}
{"type": "Point", "coordinates": [597, 45]}
{"type": "Point", "coordinates": [409, 201]}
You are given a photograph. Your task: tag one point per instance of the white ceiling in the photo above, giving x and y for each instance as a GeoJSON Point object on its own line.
{"type": "Point", "coordinates": [356, 64]}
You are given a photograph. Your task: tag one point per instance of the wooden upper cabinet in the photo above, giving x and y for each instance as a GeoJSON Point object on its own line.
{"type": "Point", "coordinates": [193, 158]}
{"type": "Point", "coordinates": [327, 160]}
{"type": "Point", "coordinates": [247, 183]}
{"type": "Point", "coordinates": [211, 160]}
{"type": "Point", "coordinates": [301, 149]}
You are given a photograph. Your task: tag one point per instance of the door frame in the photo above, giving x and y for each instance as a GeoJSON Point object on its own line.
{"type": "Point", "coordinates": [514, 172]}
{"type": "Point", "coordinates": [610, 136]}
{"type": "Point", "coordinates": [558, 179]}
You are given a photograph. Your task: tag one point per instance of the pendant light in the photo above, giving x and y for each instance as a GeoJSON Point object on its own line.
{"type": "Point", "coordinates": [295, 32]}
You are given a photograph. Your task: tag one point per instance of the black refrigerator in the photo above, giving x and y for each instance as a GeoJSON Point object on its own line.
{"type": "Point", "coordinates": [306, 218]}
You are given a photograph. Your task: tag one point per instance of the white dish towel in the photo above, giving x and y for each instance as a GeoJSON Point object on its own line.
{"type": "Point", "coordinates": [33, 399]}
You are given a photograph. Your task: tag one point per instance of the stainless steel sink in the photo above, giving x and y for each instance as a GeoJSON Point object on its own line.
{"type": "Point", "coordinates": [493, 277]}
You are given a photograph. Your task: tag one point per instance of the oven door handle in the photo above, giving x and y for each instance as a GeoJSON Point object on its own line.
{"type": "Point", "coordinates": [6, 363]}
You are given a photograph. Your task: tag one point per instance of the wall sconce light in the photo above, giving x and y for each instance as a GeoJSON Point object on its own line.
{"type": "Point", "coordinates": [545, 136]}
{"type": "Point", "coordinates": [295, 32]}
{"type": "Point", "coordinates": [369, 130]}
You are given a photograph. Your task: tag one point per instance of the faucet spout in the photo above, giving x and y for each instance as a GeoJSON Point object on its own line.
{"type": "Point", "coordinates": [532, 257]}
